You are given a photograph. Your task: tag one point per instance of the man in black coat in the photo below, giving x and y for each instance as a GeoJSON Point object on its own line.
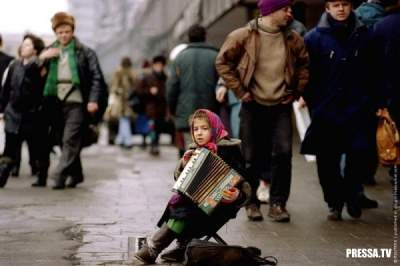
{"type": "Point", "coordinates": [75, 93]}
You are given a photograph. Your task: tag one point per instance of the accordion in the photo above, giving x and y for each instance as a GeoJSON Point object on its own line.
{"type": "Point", "coordinates": [204, 179]}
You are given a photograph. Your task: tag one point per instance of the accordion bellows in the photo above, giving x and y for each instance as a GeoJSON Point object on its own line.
{"type": "Point", "coordinates": [204, 179]}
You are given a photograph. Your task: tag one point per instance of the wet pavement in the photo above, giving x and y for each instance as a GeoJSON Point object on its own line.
{"type": "Point", "coordinates": [125, 192]}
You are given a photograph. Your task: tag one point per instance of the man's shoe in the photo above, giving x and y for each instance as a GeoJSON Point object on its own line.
{"type": "Point", "coordinates": [367, 203]}
{"type": "Point", "coordinates": [59, 186]}
{"type": "Point", "coordinates": [335, 214]}
{"type": "Point", "coordinates": [39, 184]}
{"type": "Point", "coordinates": [253, 213]}
{"type": "Point", "coordinates": [278, 213]}
{"type": "Point", "coordinates": [354, 209]}
{"type": "Point", "coordinates": [74, 181]}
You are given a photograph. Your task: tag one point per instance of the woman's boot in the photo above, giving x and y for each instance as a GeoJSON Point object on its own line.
{"type": "Point", "coordinates": [159, 241]}
{"type": "Point", "coordinates": [5, 169]}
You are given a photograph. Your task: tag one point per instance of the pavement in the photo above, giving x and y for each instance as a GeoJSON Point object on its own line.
{"type": "Point", "coordinates": [125, 192]}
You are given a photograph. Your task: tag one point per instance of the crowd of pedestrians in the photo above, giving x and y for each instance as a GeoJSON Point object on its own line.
{"type": "Point", "coordinates": [52, 96]}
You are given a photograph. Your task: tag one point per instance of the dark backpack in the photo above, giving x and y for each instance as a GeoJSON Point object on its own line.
{"type": "Point", "coordinates": [204, 253]}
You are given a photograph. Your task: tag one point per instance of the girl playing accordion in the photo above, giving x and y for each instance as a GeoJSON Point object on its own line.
{"type": "Point", "coordinates": [182, 219]}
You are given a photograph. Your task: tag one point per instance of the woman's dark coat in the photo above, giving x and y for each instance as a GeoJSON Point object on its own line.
{"type": "Point", "coordinates": [21, 97]}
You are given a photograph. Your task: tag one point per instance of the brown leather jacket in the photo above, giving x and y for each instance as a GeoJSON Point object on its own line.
{"type": "Point", "coordinates": [238, 56]}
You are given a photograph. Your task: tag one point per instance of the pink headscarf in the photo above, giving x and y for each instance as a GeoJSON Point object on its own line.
{"type": "Point", "coordinates": [217, 129]}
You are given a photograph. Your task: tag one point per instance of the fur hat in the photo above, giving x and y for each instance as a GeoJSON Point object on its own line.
{"type": "Point", "coordinates": [61, 18]}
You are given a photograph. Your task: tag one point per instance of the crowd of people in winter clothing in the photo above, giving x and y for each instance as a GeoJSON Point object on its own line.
{"type": "Point", "coordinates": [343, 71]}
{"type": "Point", "coordinates": [51, 96]}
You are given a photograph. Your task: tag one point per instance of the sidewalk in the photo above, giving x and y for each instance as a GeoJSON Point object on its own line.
{"type": "Point", "coordinates": [125, 193]}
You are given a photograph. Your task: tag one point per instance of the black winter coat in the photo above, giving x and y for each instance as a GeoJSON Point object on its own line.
{"type": "Point", "coordinates": [21, 97]}
{"type": "Point", "coordinates": [340, 93]}
{"type": "Point", "coordinates": [386, 37]}
{"type": "Point", "coordinates": [5, 60]}
{"type": "Point", "coordinates": [92, 84]}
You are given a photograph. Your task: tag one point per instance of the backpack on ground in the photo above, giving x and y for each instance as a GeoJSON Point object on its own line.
{"type": "Point", "coordinates": [205, 253]}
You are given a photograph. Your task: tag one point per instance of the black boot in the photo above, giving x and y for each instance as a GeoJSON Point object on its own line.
{"type": "Point", "coordinates": [41, 181]}
{"type": "Point", "coordinates": [160, 240]}
{"type": "Point", "coordinates": [366, 203]}
{"type": "Point", "coordinates": [4, 174]}
{"type": "Point", "coordinates": [74, 181]}
{"type": "Point", "coordinates": [42, 169]}
{"type": "Point", "coordinates": [178, 253]}
{"type": "Point", "coordinates": [5, 169]}
{"type": "Point", "coordinates": [59, 183]}
{"type": "Point", "coordinates": [354, 208]}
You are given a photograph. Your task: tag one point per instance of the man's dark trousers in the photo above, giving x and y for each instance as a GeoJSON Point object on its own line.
{"type": "Point", "coordinates": [266, 133]}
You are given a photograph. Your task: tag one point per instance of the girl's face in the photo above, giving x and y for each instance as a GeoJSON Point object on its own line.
{"type": "Point", "coordinates": [27, 49]}
{"type": "Point", "coordinates": [201, 131]}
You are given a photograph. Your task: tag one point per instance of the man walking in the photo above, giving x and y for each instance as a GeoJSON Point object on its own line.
{"type": "Point", "coordinates": [75, 92]}
{"type": "Point", "coordinates": [342, 102]}
{"type": "Point", "coordinates": [266, 65]}
{"type": "Point", "coordinates": [192, 83]}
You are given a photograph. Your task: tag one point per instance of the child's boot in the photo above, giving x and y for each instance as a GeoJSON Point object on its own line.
{"type": "Point", "coordinates": [160, 240]}
{"type": "Point", "coordinates": [178, 253]}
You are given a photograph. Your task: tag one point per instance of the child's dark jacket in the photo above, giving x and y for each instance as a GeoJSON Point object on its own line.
{"type": "Point", "coordinates": [197, 223]}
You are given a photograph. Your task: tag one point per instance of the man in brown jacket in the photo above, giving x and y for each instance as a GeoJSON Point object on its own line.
{"type": "Point", "coordinates": [266, 66]}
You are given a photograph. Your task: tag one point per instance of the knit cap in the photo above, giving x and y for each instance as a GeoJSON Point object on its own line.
{"type": "Point", "coordinates": [270, 6]}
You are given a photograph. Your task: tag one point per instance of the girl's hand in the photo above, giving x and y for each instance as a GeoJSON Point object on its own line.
{"type": "Point", "coordinates": [186, 157]}
{"type": "Point", "coordinates": [230, 195]}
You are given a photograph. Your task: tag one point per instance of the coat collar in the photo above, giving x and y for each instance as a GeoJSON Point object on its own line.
{"type": "Point", "coordinates": [78, 44]}
{"type": "Point", "coordinates": [324, 26]}
{"type": "Point", "coordinates": [203, 45]}
{"type": "Point", "coordinates": [254, 26]}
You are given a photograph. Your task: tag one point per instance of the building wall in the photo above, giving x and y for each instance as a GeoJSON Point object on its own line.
{"type": "Point", "coordinates": [157, 26]}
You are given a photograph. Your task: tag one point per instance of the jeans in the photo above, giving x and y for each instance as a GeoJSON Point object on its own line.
{"type": "Point", "coordinates": [124, 136]}
{"type": "Point", "coordinates": [266, 133]}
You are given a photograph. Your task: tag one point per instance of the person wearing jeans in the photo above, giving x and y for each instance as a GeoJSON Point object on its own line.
{"type": "Point", "coordinates": [124, 137]}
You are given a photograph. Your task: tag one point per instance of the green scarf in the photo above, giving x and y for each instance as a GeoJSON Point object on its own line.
{"type": "Point", "coordinates": [50, 88]}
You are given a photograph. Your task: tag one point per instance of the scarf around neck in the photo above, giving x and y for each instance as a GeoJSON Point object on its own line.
{"type": "Point", "coordinates": [50, 88]}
